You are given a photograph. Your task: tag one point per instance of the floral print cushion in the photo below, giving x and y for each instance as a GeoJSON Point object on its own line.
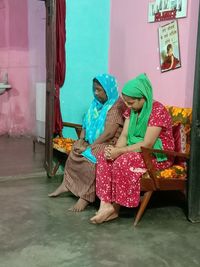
{"type": "Point", "coordinates": [174, 172]}
{"type": "Point", "coordinates": [63, 144]}
{"type": "Point", "coordinates": [182, 116]}
{"type": "Point", "coordinates": [180, 137]}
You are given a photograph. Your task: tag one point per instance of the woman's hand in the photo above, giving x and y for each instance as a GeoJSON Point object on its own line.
{"type": "Point", "coordinates": [111, 152]}
{"type": "Point", "coordinates": [80, 146]}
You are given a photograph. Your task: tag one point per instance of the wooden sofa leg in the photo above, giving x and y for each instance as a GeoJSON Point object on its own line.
{"type": "Point", "coordinates": [55, 169]}
{"type": "Point", "coordinates": [143, 205]}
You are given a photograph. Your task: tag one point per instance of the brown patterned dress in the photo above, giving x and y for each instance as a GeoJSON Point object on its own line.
{"type": "Point", "coordinates": [79, 173]}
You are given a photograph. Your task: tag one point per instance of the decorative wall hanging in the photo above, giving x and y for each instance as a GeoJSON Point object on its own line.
{"type": "Point", "coordinates": [160, 10]}
{"type": "Point", "coordinates": [169, 46]}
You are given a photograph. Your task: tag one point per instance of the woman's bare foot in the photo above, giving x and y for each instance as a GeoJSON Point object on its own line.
{"type": "Point", "coordinates": [61, 189]}
{"type": "Point", "coordinates": [113, 216]}
{"type": "Point", "coordinates": [104, 205]}
{"type": "Point", "coordinates": [104, 215]}
{"type": "Point", "coordinates": [80, 205]}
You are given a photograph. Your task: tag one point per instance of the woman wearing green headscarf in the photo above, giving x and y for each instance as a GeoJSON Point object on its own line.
{"type": "Point", "coordinates": [147, 123]}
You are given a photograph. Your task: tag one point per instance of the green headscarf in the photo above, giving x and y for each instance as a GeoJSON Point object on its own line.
{"type": "Point", "coordinates": [138, 88]}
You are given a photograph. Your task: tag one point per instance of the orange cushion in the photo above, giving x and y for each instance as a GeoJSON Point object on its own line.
{"type": "Point", "coordinates": [63, 144]}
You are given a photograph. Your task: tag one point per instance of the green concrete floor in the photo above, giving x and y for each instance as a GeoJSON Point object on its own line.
{"type": "Point", "coordinates": [18, 159]}
{"type": "Point", "coordinates": [36, 231]}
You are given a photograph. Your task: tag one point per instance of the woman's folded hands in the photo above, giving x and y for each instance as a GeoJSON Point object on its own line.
{"type": "Point", "coordinates": [112, 152]}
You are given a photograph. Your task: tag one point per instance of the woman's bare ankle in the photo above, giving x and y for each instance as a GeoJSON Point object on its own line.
{"type": "Point", "coordinates": [105, 214]}
{"type": "Point", "coordinates": [105, 205]}
{"type": "Point", "coordinates": [61, 189]}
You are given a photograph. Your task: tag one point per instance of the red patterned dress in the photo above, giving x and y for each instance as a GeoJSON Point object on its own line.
{"type": "Point", "coordinates": [119, 180]}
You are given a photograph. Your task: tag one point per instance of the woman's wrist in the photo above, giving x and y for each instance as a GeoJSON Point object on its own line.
{"type": "Point", "coordinates": [123, 150]}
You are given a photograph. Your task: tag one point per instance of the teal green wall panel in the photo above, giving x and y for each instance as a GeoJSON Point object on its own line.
{"type": "Point", "coordinates": [87, 44]}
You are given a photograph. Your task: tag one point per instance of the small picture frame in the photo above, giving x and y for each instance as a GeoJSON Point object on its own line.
{"type": "Point", "coordinates": [169, 49]}
{"type": "Point", "coordinates": [151, 12]}
{"type": "Point", "coordinates": [181, 9]}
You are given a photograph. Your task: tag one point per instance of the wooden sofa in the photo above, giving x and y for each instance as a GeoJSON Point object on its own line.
{"type": "Point", "coordinates": [173, 178]}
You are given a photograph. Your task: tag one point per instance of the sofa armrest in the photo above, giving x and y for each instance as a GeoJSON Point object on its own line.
{"type": "Point", "coordinates": [76, 126]}
{"type": "Point", "coordinates": [167, 152]}
{"type": "Point", "coordinates": [148, 160]}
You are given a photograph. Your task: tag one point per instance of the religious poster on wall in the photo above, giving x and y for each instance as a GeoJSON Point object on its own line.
{"type": "Point", "coordinates": [160, 10]}
{"type": "Point", "coordinates": [169, 47]}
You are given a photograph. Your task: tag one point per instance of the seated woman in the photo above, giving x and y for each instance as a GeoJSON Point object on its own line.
{"type": "Point", "coordinates": [120, 168]}
{"type": "Point", "coordinates": [102, 125]}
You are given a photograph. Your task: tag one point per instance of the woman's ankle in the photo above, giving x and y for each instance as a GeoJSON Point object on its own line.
{"type": "Point", "coordinates": [105, 205]}
{"type": "Point", "coordinates": [116, 207]}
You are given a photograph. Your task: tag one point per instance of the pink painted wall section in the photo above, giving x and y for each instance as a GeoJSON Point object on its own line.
{"type": "Point", "coordinates": [17, 105]}
{"type": "Point", "coordinates": [14, 60]}
{"type": "Point", "coordinates": [134, 49]}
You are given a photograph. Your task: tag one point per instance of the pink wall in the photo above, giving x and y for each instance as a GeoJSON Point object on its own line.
{"type": "Point", "coordinates": [17, 105]}
{"type": "Point", "coordinates": [134, 49]}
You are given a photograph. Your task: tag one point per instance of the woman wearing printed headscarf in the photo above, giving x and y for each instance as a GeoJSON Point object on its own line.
{"type": "Point", "coordinates": [102, 125]}
{"type": "Point", "coordinates": [120, 167]}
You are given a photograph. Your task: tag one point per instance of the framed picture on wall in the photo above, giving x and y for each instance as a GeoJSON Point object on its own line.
{"type": "Point", "coordinates": [169, 49]}
{"type": "Point", "coordinates": [160, 10]}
